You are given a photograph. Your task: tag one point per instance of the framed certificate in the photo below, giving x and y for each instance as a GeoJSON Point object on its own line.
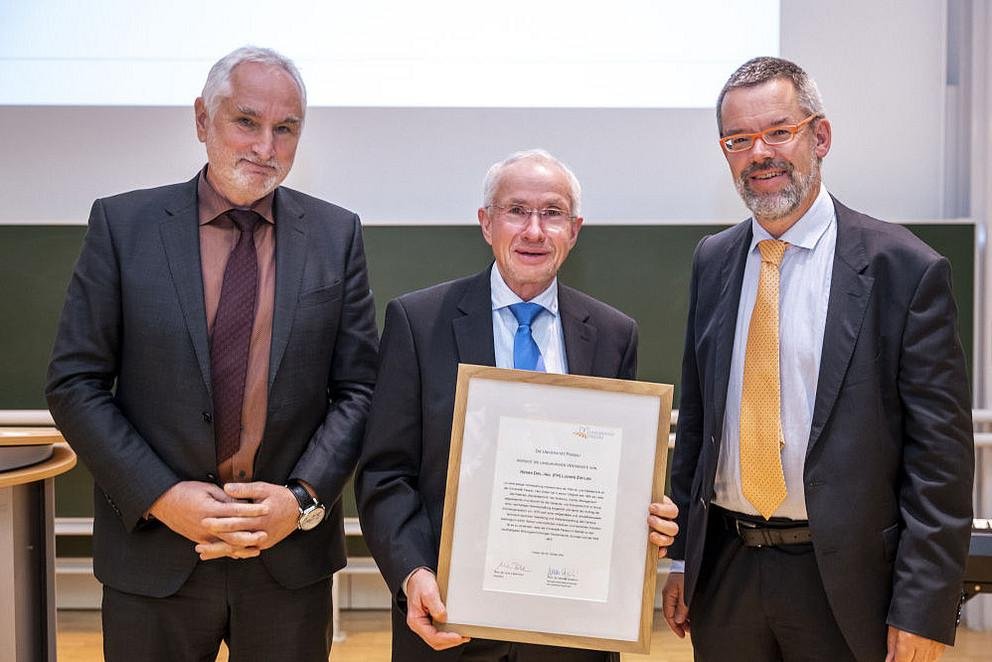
{"type": "Point", "coordinates": [545, 536]}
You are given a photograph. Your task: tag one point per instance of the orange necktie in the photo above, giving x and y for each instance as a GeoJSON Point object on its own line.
{"type": "Point", "coordinates": [762, 479]}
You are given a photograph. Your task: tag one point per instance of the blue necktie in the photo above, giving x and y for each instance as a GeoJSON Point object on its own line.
{"type": "Point", "coordinates": [526, 353]}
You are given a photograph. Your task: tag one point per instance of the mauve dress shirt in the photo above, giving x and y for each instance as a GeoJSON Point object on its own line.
{"type": "Point", "coordinates": [218, 235]}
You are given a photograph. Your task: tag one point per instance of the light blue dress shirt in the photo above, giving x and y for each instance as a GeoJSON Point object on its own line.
{"type": "Point", "coordinates": [546, 327]}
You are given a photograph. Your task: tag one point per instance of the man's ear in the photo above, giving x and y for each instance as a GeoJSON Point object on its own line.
{"type": "Point", "coordinates": [202, 117]}
{"type": "Point", "coordinates": [576, 226]}
{"type": "Point", "coordinates": [486, 223]}
{"type": "Point", "coordinates": [823, 134]}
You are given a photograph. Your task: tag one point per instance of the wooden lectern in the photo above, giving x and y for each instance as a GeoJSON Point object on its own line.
{"type": "Point", "coordinates": [30, 458]}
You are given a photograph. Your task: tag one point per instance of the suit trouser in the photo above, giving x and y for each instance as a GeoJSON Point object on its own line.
{"type": "Point", "coordinates": [754, 604]}
{"type": "Point", "coordinates": [235, 601]}
{"type": "Point", "coordinates": [408, 647]}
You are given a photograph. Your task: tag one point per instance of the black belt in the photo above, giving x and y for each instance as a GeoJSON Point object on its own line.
{"type": "Point", "coordinates": [765, 534]}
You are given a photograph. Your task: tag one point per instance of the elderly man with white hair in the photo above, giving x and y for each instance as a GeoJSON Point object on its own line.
{"type": "Point", "coordinates": [514, 314]}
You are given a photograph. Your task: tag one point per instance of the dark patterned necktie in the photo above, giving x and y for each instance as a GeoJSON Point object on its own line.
{"type": "Point", "coordinates": [232, 335]}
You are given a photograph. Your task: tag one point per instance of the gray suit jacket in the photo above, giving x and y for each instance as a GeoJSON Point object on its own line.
{"type": "Point", "coordinates": [401, 476]}
{"type": "Point", "coordinates": [890, 458]}
{"type": "Point", "coordinates": [129, 380]}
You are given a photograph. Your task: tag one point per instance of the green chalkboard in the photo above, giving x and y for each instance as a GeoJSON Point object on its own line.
{"type": "Point", "coordinates": [643, 270]}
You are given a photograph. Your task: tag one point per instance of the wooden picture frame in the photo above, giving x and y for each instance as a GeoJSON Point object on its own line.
{"type": "Point", "coordinates": [544, 537]}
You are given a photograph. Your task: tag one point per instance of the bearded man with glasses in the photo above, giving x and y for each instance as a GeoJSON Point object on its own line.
{"type": "Point", "coordinates": [823, 459]}
{"type": "Point", "coordinates": [514, 314]}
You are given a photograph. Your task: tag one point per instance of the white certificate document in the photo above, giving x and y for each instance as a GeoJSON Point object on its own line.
{"type": "Point", "coordinates": [553, 509]}
{"type": "Point", "coordinates": [544, 538]}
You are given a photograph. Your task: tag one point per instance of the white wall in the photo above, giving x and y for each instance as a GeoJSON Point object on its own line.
{"type": "Point", "coordinates": [880, 66]}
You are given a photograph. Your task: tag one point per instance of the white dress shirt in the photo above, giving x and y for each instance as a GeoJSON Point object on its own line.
{"type": "Point", "coordinates": [546, 326]}
{"type": "Point", "coordinates": [803, 294]}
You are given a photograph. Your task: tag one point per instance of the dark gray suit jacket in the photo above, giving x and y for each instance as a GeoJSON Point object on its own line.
{"type": "Point", "coordinates": [890, 458]}
{"type": "Point", "coordinates": [401, 476]}
{"type": "Point", "coordinates": [129, 380]}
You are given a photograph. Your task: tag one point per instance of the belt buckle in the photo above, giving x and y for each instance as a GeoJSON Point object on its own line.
{"type": "Point", "coordinates": [751, 526]}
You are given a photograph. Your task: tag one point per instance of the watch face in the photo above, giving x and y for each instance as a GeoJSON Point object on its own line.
{"type": "Point", "coordinates": [311, 517]}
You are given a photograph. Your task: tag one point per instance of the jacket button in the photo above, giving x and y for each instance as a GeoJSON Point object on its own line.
{"type": "Point", "coordinates": [207, 418]}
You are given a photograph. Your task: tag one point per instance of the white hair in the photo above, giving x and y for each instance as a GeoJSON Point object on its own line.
{"type": "Point", "coordinates": [219, 79]}
{"type": "Point", "coordinates": [495, 175]}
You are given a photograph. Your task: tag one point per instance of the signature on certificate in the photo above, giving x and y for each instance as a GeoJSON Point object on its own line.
{"type": "Point", "coordinates": [510, 569]}
{"type": "Point", "coordinates": [562, 577]}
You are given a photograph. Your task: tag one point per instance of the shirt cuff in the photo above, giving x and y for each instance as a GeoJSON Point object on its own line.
{"type": "Point", "coordinates": [403, 585]}
{"type": "Point", "coordinates": [677, 566]}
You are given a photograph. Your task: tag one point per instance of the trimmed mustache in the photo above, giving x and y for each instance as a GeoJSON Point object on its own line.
{"type": "Point", "coordinates": [271, 163]}
{"type": "Point", "coordinates": [767, 164]}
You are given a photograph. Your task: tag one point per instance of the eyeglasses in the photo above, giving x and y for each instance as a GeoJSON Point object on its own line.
{"type": "Point", "coordinates": [775, 135]}
{"type": "Point", "coordinates": [551, 218]}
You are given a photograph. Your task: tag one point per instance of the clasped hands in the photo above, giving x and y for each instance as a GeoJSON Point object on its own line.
{"type": "Point", "coordinates": [237, 521]}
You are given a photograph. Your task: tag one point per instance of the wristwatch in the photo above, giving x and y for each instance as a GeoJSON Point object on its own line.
{"type": "Point", "coordinates": [312, 511]}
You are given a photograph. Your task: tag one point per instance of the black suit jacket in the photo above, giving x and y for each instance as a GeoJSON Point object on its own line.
{"type": "Point", "coordinates": [890, 458]}
{"type": "Point", "coordinates": [129, 380]}
{"type": "Point", "coordinates": [401, 476]}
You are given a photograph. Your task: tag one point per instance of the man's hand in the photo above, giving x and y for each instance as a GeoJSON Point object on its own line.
{"type": "Point", "coordinates": [279, 518]}
{"type": "Point", "coordinates": [186, 508]}
{"type": "Point", "coordinates": [673, 604]}
{"type": "Point", "coordinates": [424, 606]}
{"type": "Point", "coordinates": [908, 647]}
{"type": "Point", "coordinates": [661, 521]}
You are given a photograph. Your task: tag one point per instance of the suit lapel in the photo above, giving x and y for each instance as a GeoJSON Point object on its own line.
{"type": "Point", "coordinates": [291, 253]}
{"type": "Point", "coordinates": [580, 335]}
{"type": "Point", "coordinates": [850, 290]}
{"type": "Point", "coordinates": [180, 232]}
{"type": "Point", "coordinates": [731, 278]}
{"type": "Point", "coordinates": [474, 329]}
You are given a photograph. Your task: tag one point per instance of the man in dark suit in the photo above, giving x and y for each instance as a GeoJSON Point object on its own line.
{"type": "Point", "coordinates": [824, 456]}
{"type": "Point", "coordinates": [531, 218]}
{"type": "Point", "coordinates": [213, 368]}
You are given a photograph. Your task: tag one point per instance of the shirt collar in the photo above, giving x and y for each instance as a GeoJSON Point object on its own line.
{"type": "Point", "coordinates": [807, 231]}
{"type": "Point", "coordinates": [211, 204]}
{"type": "Point", "coordinates": [503, 296]}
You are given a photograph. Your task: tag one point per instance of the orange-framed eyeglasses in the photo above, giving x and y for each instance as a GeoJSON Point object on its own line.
{"type": "Point", "coordinates": [774, 135]}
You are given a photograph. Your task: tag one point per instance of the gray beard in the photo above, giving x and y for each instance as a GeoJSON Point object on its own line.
{"type": "Point", "coordinates": [773, 206]}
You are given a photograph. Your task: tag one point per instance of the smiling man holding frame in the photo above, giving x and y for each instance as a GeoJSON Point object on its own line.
{"type": "Point", "coordinates": [512, 314]}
